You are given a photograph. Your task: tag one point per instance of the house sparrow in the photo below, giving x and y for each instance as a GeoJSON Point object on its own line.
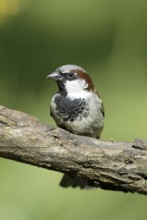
{"type": "Point", "coordinates": [77, 108]}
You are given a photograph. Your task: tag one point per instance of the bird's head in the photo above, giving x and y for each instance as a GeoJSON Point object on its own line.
{"type": "Point", "coordinates": [72, 78]}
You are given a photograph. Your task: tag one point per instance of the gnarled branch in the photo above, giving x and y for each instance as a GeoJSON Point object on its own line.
{"type": "Point", "coordinates": [111, 165]}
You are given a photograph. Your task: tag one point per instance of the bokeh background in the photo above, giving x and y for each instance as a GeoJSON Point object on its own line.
{"type": "Point", "coordinates": [109, 39]}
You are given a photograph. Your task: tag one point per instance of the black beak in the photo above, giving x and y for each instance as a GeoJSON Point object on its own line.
{"type": "Point", "coordinates": [55, 76]}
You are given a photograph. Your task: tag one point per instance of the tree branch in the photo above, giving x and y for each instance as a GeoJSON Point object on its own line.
{"type": "Point", "coordinates": [111, 165]}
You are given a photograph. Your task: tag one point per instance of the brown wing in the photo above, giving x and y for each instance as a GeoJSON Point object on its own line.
{"type": "Point", "coordinates": [102, 107]}
{"type": "Point", "coordinates": [103, 110]}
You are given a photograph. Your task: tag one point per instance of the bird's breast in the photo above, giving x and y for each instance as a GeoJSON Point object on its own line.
{"type": "Point", "coordinates": [79, 115]}
{"type": "Point", "coordinates": [70, 110]}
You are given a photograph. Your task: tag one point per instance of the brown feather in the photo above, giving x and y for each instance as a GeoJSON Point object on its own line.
{"type": "Point", "coordinates": [83, 75]}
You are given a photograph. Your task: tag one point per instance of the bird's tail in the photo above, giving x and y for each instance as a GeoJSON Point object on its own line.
{"type": "Point", "coordinates": [75, 181]}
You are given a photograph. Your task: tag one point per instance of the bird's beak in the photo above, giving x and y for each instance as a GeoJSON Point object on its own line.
{"type": "Point", "coordinates": [55, 76]}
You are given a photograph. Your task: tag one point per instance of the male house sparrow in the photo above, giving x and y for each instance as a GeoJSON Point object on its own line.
{"type": "Point", "coordinates": [77, 108]}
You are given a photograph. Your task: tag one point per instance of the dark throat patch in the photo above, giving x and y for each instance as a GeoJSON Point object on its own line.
{"type": "Point", "coordinates": [69, 109]}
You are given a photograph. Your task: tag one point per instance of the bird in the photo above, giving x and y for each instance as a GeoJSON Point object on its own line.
{"type": "Point", "coordinates": [77, 108]}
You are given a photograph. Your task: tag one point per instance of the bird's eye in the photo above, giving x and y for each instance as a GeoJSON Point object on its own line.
{"type": "Point", "coordinates": [70, 75]}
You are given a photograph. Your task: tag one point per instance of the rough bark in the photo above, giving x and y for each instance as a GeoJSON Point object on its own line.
{"type": "Point", "coordinates": [109, 165]}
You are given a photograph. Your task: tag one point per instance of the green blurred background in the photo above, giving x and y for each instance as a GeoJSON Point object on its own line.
{"type": "Point", "coordinates": [109, 39]}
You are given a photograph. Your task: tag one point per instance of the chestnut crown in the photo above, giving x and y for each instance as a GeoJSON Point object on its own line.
{"type": "Point", "coordinates": [73, 78]}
